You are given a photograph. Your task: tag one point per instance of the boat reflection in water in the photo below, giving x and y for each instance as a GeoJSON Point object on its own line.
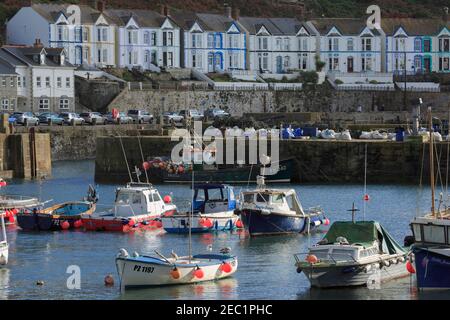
{"type": "Point", "coordinates": [4, 283]}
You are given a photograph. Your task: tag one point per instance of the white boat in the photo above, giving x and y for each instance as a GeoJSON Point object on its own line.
{"type": "Point", "coordinates": [214, 206]}
{"type": "Point", "coordinates": [137, 203]}
{"type": "Point", "coordinates": [353, 254]}
{"type": "Point", "coordinates": [3, 243]}
{"type": "Point", "coordinates": [141, 271]}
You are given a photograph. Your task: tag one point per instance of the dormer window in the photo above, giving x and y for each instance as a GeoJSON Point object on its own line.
{"type": "Point", "coordinates": [42, 58]}
{"type": "Point", "coordinates": [63, 59]}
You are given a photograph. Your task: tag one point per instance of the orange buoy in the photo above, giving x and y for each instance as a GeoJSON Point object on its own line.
{"type": "Point", "coordinates": [225, 267]}
{"type": "Point", "coordinates": [239, 224]}
{"type": "Point", "coordinates": [198, 273]}
{"type": "Point", "coordinates": [175, 273]}
{"type": "Point", "coordinates": [109, 280]}
{"type": "Point", "coordinates": [311, 258]}
{"type": "Point", "coordinates": [11, 219]}
{"type": "Point", "coordinates": [208, 223]}
{"type": "Point", "coordinates": [167, 199]}
{"type": "Point", "coordinates": [201, 222]}
{"type": "Point", "coordinates": [65, 225]}
{"type": "Point", "coordinates": [410, 267]}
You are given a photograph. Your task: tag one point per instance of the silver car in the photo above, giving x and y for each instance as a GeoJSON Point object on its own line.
{"type": "Point", "coordinates": [93, 118]}
{"type": "Point", "coordinates": [72, 118]}
{"type": "Point", "coordinates": [26, 118]}
{"type": "Point", "coordinates": [140, 116]}
{"type": "Point", "coordinates": [172, 117]}
{"type": "Point", "coordinates": [191, 114]}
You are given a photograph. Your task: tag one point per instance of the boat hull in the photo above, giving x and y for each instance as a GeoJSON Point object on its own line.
{"type": "Point", "coordinates": [353, 275]}
{"type": "Point", "coordinates": [134, 273]}
{"type": "Point", "coordinates": [259, 224]}
{"type": "Point", "coordinates": [432, 268]}
{"type": "Point", "coordinates": [118, 224]}
{"type": "Point", "coordinates": [4, 248]}
{"type": "Point", "coordinates": [200, 224]}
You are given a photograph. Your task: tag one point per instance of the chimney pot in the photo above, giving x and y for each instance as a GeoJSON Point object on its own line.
{"type": "Point", "coordinates": [228, 11]}
{"type": "Point", "coordinates": [236, 14]}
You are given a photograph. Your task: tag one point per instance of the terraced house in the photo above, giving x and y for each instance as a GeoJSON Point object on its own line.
{"type": "Point", "coordinates": [212, 42]}
{"type": "Point", "coordinates": [280, 45]}
{"type": "Point", "coordinates": [146, 39]}
{"type": "Point", "coordinates": [8, 86]}
{"type": "Point", "coordinates": [44, 81]}
{"type": "Point", "coordinates": [89, 39]}
{"type": "Point", "coordinates": [417, 45]}
{"type": "Point", "coordinates": [349, 46]}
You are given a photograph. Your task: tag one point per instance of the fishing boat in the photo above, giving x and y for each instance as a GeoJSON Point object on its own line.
{"type": "Point", "coordinates": [141, 271]}
{"type": "Point", "coordinates": [158, 270]}
{"type": "Point", "coordinates": [136, 205]}
{"type": "Point", "coordinates": [431, 237]}
{"type": "Point", "coordinates": [163, 170]}
{"type": "Point", "coordinates": [63, 216]}
{"type": "Point", "coordinates": [353, 254]}
{"type": "Point", "coordinates": [267, 211]}
{"type": "Point", "coordinates": [214, 206]}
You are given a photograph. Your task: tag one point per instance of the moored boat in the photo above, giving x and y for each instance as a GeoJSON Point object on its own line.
{"type": "Point", "coordinates": [267, 211]}
{"type": "Point", "coordinates": [213, 205]}
{"type": "Point", "coordinates": [136, 205]}
{"type": "Point", "coordinates": [4, 247]}
{"type": "Point", "coordinates": [353, 254]}
{"type": "Point", "coordinates": [142, 271]}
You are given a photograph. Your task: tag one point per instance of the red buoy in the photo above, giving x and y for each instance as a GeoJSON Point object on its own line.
{"type": "Point", "coordinates": [11, 219]}
{"type": "Point", "coordinates": [65, 225]}
{"type": "Point", "coordinates": [327, 222]}
{"type": "Point", "coordinates": [167, 199]}
{"type": "Point", "coordinates": [180, 169]}
{"type": "Point", "coordinates": [158, 224]}
{"type": "Point", "coordinates": [78, 224]}
{"type": "Point", "coordinates": [226, 267]}
{"type": "Point", "coordinates": [410, 267]}
{"type": "Point", "coordinates": [366, 197]}
{"type": "Point", "coordinates": [131, 223]}
{"type": "Point", "coordinates": [146, 165]}
{"type": "Point", "coordinates": [312, 259]}
{"type": "Point", "coordinates": [239, 224]}
{"type": "Point", "coordinates": [198, 273]}
{"type": "Point", "coordinates": [208, 223]}
{"type": "Point", "coordinates": [3, 183]}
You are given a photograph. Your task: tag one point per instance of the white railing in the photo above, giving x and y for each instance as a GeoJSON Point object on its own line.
{"type": "Point", "coordinates": [419, 86]}
{"type": "Point", "coordinates": [286, 86]}
{"type": "Point", "coordinates": [240, 86]}
{"type": "Point", "coordinates": [365, 87]}
{"type": "Point", "coordinates": [357, 77]}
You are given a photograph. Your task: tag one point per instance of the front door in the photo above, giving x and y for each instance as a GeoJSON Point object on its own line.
{"type": "Point", "coordinates": [218, 65]}
{"type": "Point", "coordinates": [279, 64]}
{"type": "Point", "coordinates": [350, 64]}
{"type": "Point", "coordinates": [427, 64]}
{"type": "Point", "coordinates": [210, 62]}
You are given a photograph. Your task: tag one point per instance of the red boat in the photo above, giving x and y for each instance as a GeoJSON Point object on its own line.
{"type": "Point", "coordinates": [138, 206]}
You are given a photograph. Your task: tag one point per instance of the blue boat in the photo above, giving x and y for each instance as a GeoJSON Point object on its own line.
{"type": "Point", "coordinates": [267, 211]}
{"type": "Point", "coordinates": [213, 205]}
{"type": "Point", "coordinates": [432, 266]}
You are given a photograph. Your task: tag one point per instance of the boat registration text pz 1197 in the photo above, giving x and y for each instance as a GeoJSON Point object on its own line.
{"type": "Point", "coordinates": [138, 268]}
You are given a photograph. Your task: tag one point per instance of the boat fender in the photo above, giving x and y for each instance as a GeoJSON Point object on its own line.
{"type": "Point", "coordinates": [239, 224]}
{"type": "Point", "coordinates": [122, 253]}
{"type": "Point", "coordinates": [367, 268]}
{"type": "Point", "coordinates": [312, 259]}
{"type": "Point", "coordinates": [299, 270]}
{"type": "Point", "coordinates": [198, 273]}
{"type": "Point", "coordinates": [135, 254]}
{"type": "Point", "coordinates": [410, 267]}
{"type": "Point", "coordinates": [376, 265]}
{"type": "Point", "coordinates": [393, 261]}
{"type": "Point", "coordinates": [265, 212]}
{"type": "Point", "coordinates": [175, 273]}
{"type": "Point", "coordinates": [65, 225]}
{"type": "Point", "coordinates": [225, 267]}
{"type": "Point", "coordinates": [386, 263]}
{"type": "Point", "coordinates": [401, 259]}
{"type": "Point", "coordinates": [316, 223]}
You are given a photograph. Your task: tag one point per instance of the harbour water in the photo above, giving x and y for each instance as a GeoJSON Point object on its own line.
{"type": "Point", "coordinates": [266, 265]}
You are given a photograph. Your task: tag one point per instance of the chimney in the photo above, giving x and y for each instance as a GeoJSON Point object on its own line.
{"type": "Point", "coordinates": [445, 14]}
{"type": "Point", "coordinates": [165, 10]}
{"type": "Point", "coordinates": [228, 11]}
{"type": "Point", "coordinates": [236, 14]}
{"type": "Point", "coordinates": [37, 43]}
{"type": "Point", "coordinates": [101, 5]}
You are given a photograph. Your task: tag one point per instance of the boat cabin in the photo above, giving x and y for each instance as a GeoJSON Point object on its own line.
{"type": "Point", "coordinates": [213, 198]}
{"type": "Point", "coordinates": [431, 230]}
{"type": "Point", "coordinates": [138, 199]}
{"type": "Point", "coordinates": [272, 200]}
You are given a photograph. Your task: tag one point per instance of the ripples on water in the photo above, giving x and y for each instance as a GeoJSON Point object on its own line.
{"type": "Point", "coordinates": [266, 265]}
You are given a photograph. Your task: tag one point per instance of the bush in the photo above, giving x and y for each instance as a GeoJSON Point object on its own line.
{"type": "Point", "coordinates": [308, 77]}
{"type": "Point", "coordinates": [338, 81]}
{"type": "Point", "coordinates": [319, 64]}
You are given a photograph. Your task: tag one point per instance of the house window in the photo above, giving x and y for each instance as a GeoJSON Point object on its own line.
{"type": "Point", "coordinates": [60, 33]}
{"type": "Point", "coordinates": [333, 63]}
{"type": "Point", "coordinates": [305, 44]}
{"type": "Point", "coordinates": [210, 41]}
{"type": "Point", "coordinates": [78, 32]}
{"type": "Point", "coordinates": [350, 44]}
{"type": "Point", "coordinates": [400, 44]}
{"type": "Point", "coordinates": [153, 39]}
{"type": "Point", "coordinates": [147, 37]}
{"type": "Point", "coordinates": [170, 39]}
{"type": "Point", "coordinates": [104, 34]}
{"type": "Point", "coordinates": [38, 82]}
{"type": "Point", "coordinates": [444, 45]}
{"type": "Point", "coordinates": [154, 57]}
{"type": "Point", "coordinates": [263, 43]}
{"type": "Point", "coordinates": [85, 34]}
{"type": "Point", "coordinates": [418, 44]}
{"type": "Point", "coordinates": [366, 44]}
{"type": "Point", "coordinates": [59, 82]}
{"type": "Point", "coordinates": [427, 45]}
{"type": "Point", "coordinates": [44, 104]}
{"type": "Point", "coordinates": [19, 82]}
{"type": "Point", "coordinates": [132, 37]}
{"type": "Point", "coordinates": [12, 82]}
{"type": "Point", "coordinates": [164, 38]}
{"type": "Point", "coordinates": [170, 59]}
{"type": "Point", "coordinates": [3, 82]}
{"type": "Point", "coordinates": [64, 103]}
{"type": "Point", "coordinates": [444, 64]}
{"type": "Point", "coordinates": [333, 44]}
{"type": "Point", "coordinates": [417, 63]}
{"type": "Point", "coordinates": [366, 63]}
{"type": "Point", "coordinates": [287, 62]}
{"type": "Point", "coordinates": [278, 43]}
{"type": "Point", "coordinates": [105, 56]}
{"type": "Point", "coordinates": [234, 60]}
{"type": "Point", "coordinates": [67, 82]}
{"type": "Point", "coordinates": [147, 56]}
{"type": "Point", "coordinates": [86, 54]}
{"type": "Point", "coordinates": [218, 41]}
{"type": "Point", "coordinates": [47, 82]}
{"type": "Point", "coordinates": [5, 104]}
{"type": "Point", "coordinates": [24, 82]}
{"type": "Point", "coordinates": [287, 44]}
{"type": "Point", "coordinates": [303, 61]}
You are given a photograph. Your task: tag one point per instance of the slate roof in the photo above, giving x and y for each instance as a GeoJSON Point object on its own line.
{"type": "Point", "coordinates": [275, 26]}
{"type": "Point", "coordinates": [144, 18]}
{"type": "Point", "coordinates": [413, 27]}
{"type": "Point", "coordinates": [25, 55]}
{"type": "Point", "coordinates": [6, 68]}
{"type": "Point", "coordinates": [51, 12]}
{"type": "Point", "coordinates": [347, 26]}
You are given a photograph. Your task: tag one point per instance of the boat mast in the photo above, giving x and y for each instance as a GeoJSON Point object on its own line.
{"type": "Point", "coordinates": [431, 162]}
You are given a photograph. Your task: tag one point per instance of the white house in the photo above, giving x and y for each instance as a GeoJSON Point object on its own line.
{"type": "Point", "coordinates": [417, 45]}
{"type": "Point", "coordinates": [146, 39]}
{"type": "Point", "coordinates": [212, 42]}
{"type": "Point", "coordinates": [89, 39]}
{"type": "Point", "coordinates": [348, 45]}
{"type": "Point", "coordinates": [45, 80]}
{"type": "Point", "coordinates": [280, 45]}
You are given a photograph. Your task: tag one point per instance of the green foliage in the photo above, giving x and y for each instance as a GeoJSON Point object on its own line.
{"type": "Point", "coordinates": [319, 64]}
{"type": "Point", "coordinates": [338, 81]}
{"type": "Point", "coordinates": [309, 77]}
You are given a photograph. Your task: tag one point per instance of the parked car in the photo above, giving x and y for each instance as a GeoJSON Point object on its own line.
{"type": "Point", "coordinates": [191, 114]}
{"type": "Point", "coordinates": [26, 118]}
{"type": "Point", "coordinates": [93, 118]}
{"type": "Point", "coordinates": [215, 114]}
{"type": "Point", "coordinates": [50, 118]}
{"type": "Point", "coordinates": [140, 116]}
{"type": "Point", "coordinates": [122, 118]}
{"type": "Point", "coordinates": [172, 117]}
{"type": "Point", "coordinates": [71, 118]}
